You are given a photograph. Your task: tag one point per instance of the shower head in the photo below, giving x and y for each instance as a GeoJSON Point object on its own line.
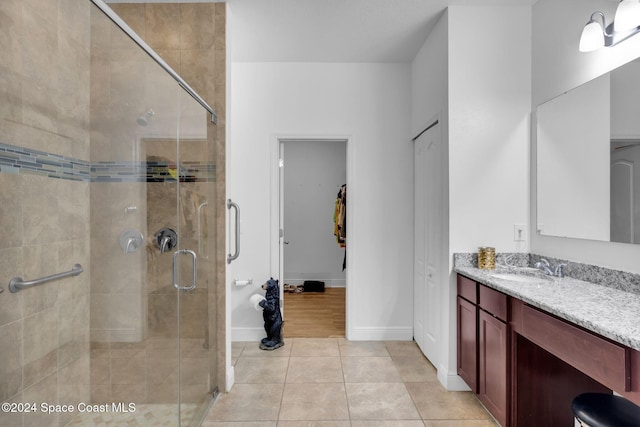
{"type": "Point", "coordinates": [144, 119]}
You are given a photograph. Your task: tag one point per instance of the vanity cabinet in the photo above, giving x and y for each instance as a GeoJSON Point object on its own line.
{"type": "Point", "coordinates": [483, 344]}
{"type": "Point", "coordinates": [526, 364]}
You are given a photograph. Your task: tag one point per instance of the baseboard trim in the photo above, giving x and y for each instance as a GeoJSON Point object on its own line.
{"type": "Point", "coordinates": [328, 283]}
{"type": "Point", "coordinates": [231, 378]}
{"type": "Point", "coordinates": [381, 334]}
{"type": "Point", "coordinates": [247, 334]}
{"type": "Point", "coordinates": [357, 334]}
{"type": "Point", "coordinates": [452, 382]}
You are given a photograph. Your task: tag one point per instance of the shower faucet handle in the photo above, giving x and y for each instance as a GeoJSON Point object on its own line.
{"type": "Point", "coordinates": [131, 240]}
{"type": "Point", "coordinates": [166, 239]}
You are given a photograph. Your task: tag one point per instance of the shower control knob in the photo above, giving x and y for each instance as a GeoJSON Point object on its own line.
{"type": "Point", "coordinates": [131, 240]}
{"type": "Point", "coordinates": [166, 239]}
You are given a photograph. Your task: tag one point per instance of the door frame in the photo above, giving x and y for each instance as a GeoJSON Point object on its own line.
{"type": "Point", "coordinates": [276, 245]}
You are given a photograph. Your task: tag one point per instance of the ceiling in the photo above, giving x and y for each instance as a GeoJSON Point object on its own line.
{"type": "Point", "coordinates": [331, 30]}
{"type": "Point", "coordinates": [335, 30]}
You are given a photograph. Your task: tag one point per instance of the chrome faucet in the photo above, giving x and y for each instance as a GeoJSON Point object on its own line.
{"type": "Point", "coordinates": [131, 241]}
{"type": "Point", "coordinates": [545, 266]}
{"type": "Point", "coordinates": [164, 244]}
{"type": "Point", "coordinates": [166, 239]}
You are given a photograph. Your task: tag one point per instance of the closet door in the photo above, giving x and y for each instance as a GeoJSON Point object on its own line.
{"type": "Point", "coordinates": [428, 243]}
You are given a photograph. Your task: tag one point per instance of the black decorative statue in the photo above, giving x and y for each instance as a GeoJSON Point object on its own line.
{"type": "Point", "coordinates": [272, 317]}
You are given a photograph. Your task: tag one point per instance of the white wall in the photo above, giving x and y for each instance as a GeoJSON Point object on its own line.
{"type": "Point", "coordinates": [558, 66]}
{"type": "Point", "coordinates": [313, 174]}
{"type": "Point", "coordinates": [369, 105]}
{"type": "Point", "coordinates": [430, 81]}
{"type": "Point", "coordinates": [489, 107]}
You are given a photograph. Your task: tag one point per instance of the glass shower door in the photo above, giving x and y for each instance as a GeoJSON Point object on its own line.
{"type": "Point", "coordinates": [193, 260]}
{"type": "Point", "coordinates": [152, 175]}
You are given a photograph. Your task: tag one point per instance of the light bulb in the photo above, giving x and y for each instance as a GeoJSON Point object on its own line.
{"type": "Point", "coordinates": [592, 37]}
{"type": "Point", "coordinates": [627, 15]}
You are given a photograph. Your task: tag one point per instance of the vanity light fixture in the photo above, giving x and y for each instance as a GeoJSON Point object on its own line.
{"type": "Point", "coordinates": [598, 34]}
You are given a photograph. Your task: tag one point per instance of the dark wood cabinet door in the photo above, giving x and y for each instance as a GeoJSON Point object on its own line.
{"type": "Point", "coordinates": [492, 378]}
{"type": "Point", "coordinates": [468, 343]}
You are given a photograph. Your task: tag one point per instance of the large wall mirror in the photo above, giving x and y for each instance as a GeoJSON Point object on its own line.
{"type": "Point", "coordinates": [588, 160]}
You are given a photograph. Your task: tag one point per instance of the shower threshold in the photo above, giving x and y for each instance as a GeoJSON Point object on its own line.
{"type": "Point", "coordinates": [145, 415]}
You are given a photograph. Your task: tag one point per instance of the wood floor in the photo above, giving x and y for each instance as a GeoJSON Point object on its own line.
{"type": "Point", "coordinates": [314, 314]}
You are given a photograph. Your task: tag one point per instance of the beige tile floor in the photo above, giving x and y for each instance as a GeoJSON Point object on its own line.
{"type": "Point", "coordinates": [337, 383]}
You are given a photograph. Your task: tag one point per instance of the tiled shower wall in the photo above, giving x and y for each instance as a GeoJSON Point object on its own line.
{"type": "Point", "coordinates": [44, 106]}
{"type": "Point", "coordinates": [119, 71]}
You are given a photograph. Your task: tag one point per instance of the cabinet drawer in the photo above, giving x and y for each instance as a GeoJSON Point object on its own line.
{"type": "Point", "coordinates": [493, 302]}
{"type": "Point", "coordinates": [601, 359]}
{"type": "Point", "coordinates": [467, 289]}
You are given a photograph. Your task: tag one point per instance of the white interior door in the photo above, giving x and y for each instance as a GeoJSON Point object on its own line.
{"type": "Point", "coordinates": [428, 242]}
{"type": "Point", "coordinates": [281, 241]}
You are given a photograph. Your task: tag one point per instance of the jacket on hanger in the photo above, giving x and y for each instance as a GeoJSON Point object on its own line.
{"type": "Point", "coordinates": [340, 217]}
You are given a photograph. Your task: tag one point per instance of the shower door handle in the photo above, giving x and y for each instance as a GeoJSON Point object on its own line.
{"type": "Point", "coordinates": [234, 205]}
{"type": "Point", "coordinates": [195, 270]}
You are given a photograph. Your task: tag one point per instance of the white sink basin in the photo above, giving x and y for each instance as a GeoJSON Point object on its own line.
{"type": "Point", "coordinates": [520, 278]}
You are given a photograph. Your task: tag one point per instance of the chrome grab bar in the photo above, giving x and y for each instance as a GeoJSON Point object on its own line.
{"type": "Point", "coordinates": [202, 205]}
{"type": "Point", "coordinates": [17, 284]}
{"type": "Point", "coordinates": [175, 270]}
{"type": "Point", "coordinates": [234, 205]}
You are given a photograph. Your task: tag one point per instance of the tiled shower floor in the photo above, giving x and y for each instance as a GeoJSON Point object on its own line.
{"type": "Point", "coordinates": [336, 383]}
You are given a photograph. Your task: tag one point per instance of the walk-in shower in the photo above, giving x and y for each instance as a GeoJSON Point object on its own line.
{"type": "Point", "coordinates": [108, 166]}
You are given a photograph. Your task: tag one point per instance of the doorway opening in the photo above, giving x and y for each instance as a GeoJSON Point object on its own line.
{"type": "Point", "coordinates": [312, 174]}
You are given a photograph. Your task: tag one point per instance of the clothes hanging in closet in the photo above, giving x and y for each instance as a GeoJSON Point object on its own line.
{"type": "Point", "coordinates": [340, 221]}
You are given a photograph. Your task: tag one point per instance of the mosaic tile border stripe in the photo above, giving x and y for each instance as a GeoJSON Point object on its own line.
{"type": "Point", "coordinates": [34, 162]}
{"type": "Point", "coordinates": [22, 160]}
{"type": "Point", "coordinates": [152, 172]}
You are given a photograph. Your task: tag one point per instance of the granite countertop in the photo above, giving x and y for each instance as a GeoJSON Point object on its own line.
{"type": "Point", "coordinates": [612, 313]}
